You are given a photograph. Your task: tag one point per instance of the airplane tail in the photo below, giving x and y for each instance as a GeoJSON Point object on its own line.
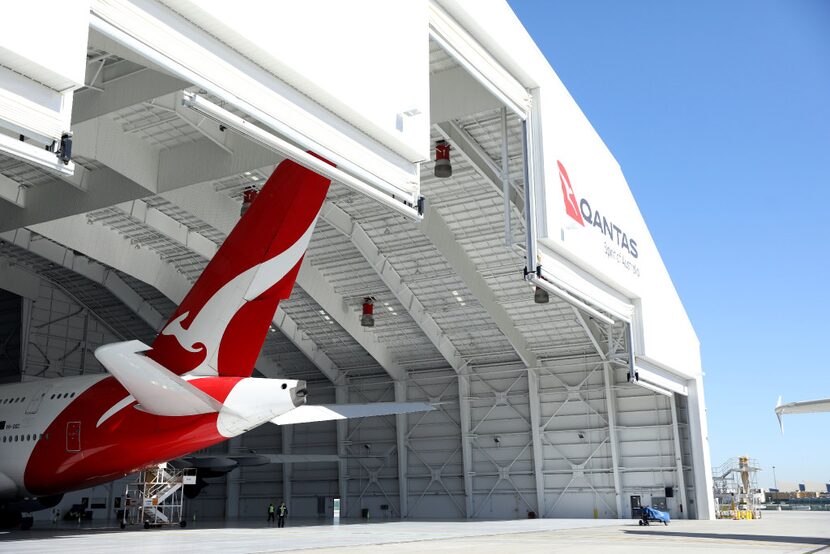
{"type": "Point", "coordinates": [221, 324]}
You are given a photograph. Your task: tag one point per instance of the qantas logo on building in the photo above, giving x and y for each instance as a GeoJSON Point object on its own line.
{"type": "Point", "coordinates": [582, 213]}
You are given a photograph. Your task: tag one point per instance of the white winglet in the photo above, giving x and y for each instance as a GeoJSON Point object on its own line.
{"type": "Point", "coordinates": [157, 390]}
{"type": "Point", "coordinates": [327, 412]}
{"type": "Point", "coordinates": [778, 414]}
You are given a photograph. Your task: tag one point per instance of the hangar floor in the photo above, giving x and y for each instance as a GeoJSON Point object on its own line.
{"type": "Point", "coordinates": [805, 532]}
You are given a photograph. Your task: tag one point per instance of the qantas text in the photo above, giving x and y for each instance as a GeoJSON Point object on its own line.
{"type": "Point", "coordinates": [607, 228]}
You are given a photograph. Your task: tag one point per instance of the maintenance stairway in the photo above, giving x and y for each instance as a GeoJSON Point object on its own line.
{"type": "Point", "coordinates": [736, 491]}
{"type": "Point", "coordinates": [156, 497]}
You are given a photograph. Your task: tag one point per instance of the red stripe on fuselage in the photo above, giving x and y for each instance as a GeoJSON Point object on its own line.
{"type": "Point", "coordinates": [129, 440]}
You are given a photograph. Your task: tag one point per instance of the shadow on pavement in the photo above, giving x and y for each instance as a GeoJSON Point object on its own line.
{"type": "Point", "coordinates": [822, 541]}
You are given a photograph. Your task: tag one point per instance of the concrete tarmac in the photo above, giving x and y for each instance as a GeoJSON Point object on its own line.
{"type": "Point", "coordinates": [803, 532]}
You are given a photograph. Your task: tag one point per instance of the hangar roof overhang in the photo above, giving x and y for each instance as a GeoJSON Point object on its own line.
{"type": "Point", "coordinates": [163, 183]}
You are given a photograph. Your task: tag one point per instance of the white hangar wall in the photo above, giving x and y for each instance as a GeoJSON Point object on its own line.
{"type": "Point", "coordinates": [537, 408]}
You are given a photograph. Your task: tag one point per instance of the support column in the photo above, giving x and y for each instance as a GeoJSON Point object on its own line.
{"type": "Point", "coordinates": [678, 458]}
{"type": "Point", "coordinates": [341, 392]}
{"type": "Point", "coordinates": [25, 329]}
{"type": "Point", "coordinates": [466, 445]}
{"type": "Point", "coordinates": [534, 403]}
{"type": "Point", "coordinates": [611, 406]}
{"type": "Point", "coordinates": [401, 431]}
{"type": "Point", "coordinates": [232, 482]}
{"type": "Point", "coordinates": [287, 469]}
{"type": "Point", "coordinates": [699, 435]}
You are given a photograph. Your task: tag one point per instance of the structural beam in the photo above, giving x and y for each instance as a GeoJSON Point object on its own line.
{"type": "Point", "coordinates": [169, 227]}
{"type": "Point", "coordinates": [89, 268]}
{"type": "Point", "coordinates": [343, 222]}
{"type": "Point", "coordinates": [611, 406]}
{"type": "Point", "coordinates": [287, 467]}
{"type": "Point", "coordinates": [465, 415]}
{"type": "Point", "coordinates": [55, 199]}
{"type": "Point", "coordinates": [534, 402]}
{"type": "Point", "coordinates": [474, 154]}
{"type": "Point", "coordinates": [678, 458]}
{"type": "Point", "coordinates": [442, 237]}
{"type": "Point", "coordinates": [12, 192]}
{"type": "Point", "coordinates": [403, 450]}
{"type": "Point", "coordinates": [122, 93]}
{"type": "Point", "coordinates": [232, 481]}
{"type": "Point", "coordinates": [341, 394]}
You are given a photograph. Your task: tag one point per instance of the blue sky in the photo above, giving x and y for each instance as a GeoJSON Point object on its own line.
{"type": "Point", "coordinates": [719, 114]}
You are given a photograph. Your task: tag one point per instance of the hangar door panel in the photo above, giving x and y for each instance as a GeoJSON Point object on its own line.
{"type": "Point", "coordinates": [42, 61]}
{"type": "Point", "coordinates": [347, 81]}
{"type": "Point", "coordinates": [367, 61]}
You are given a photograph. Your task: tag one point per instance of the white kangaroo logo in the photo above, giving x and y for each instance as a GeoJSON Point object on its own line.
{"type": "Point", "coordinates": [208, 327]}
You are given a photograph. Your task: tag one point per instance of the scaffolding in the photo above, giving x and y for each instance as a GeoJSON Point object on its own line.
{"type": "Point", "coordinates": [736, 490]}
{"type": "Point", "coordinates": [156, 497]}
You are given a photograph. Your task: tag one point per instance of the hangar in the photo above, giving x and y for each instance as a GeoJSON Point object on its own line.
{"type": "Point", "coordinates": [513, 281]}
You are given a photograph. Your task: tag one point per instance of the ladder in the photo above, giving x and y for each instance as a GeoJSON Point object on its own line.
{"type": "Point", "coordinates": [156, 497]}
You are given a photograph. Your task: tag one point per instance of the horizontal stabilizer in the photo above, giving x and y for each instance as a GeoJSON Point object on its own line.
{"type": "Point", "coordinates": [327, 412]}
{"type": "Point", "coordinates": [157, 390]}
{"type": "Point", "coordinates": [224, 464]}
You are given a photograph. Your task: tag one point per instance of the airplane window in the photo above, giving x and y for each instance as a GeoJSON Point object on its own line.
{"type": "Point", "coordinates": [72, 395]}
{"type": "Point", "coordinates": [15, 438]}
{"type": "Point", "coordinates": [4, 439]}
{"type": "Point", "coordinates": [53, 397]}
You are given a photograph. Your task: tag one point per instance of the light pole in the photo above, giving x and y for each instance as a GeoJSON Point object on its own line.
{"type": "Point", "coordinates": [774, 480]}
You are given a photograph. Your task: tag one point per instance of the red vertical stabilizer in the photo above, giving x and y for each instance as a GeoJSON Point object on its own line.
{"type": "Point", "coordinates": [220, 326]}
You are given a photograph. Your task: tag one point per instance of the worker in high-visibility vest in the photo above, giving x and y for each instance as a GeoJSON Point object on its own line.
{"type": "Point", "coordinates": [271, 512]}
{"type": "Point", "coordinates": [282, 511]}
